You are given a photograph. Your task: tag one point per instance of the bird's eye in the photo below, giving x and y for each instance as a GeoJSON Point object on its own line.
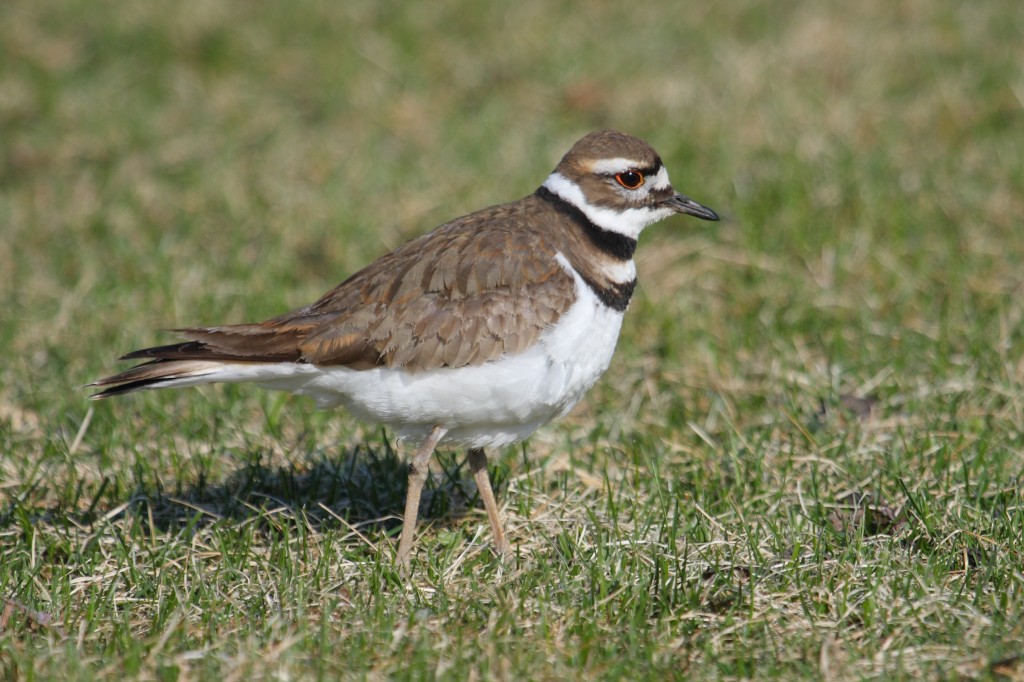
{"type": "Point", "coordinates": [630, 179]}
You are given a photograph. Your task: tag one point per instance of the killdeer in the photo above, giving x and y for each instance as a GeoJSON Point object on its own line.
{"type": "Point", "coordinates": [473, 335]}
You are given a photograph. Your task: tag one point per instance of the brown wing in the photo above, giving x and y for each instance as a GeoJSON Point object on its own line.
{"type": "Point", "coordinates": [467, 293]}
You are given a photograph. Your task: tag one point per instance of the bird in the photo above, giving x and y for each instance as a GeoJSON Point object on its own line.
{"type": "Point", "coordinates": [473, 335]}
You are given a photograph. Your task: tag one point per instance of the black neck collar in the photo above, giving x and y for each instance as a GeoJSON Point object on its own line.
{"type": "Point", "coordinates": [615, 245]}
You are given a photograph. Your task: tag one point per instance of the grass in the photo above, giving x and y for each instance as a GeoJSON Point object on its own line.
{"type": "Point", "coordinates": [805, 461]}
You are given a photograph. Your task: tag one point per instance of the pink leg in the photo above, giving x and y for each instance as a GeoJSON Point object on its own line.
{"type": "Point", "coordinates": [478, 465]}
{"type": "Point", "coordinates": [418, 469]}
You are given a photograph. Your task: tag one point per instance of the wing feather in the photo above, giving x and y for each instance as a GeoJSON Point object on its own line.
{"type": "Point", "coordinates": [480, 287]}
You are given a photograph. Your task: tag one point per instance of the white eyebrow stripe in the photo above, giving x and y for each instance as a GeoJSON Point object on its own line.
{"type": "Point", "coordinates": [616, 165]}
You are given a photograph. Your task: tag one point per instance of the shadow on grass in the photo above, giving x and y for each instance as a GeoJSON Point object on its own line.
{"type": "Point", "coordinates": [362, 488]}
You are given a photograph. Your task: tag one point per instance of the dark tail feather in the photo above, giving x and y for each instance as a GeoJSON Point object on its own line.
{"type": "Point", "coordinates": [156, 374]}
{"type": "Point", "coordinates": [185, 364]}
{"type": "Point", "coordinates": [214, 344]}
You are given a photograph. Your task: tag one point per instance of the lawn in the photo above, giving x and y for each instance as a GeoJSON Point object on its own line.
{"type": "Point", "coordinates": [804, 463]}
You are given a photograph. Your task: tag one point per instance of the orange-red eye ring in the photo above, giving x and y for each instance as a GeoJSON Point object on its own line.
{"type": "Point", "coordinates": [631, 179]}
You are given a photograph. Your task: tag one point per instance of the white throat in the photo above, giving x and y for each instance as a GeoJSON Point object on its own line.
{"type": "Point", "coordinates": [628, 222]}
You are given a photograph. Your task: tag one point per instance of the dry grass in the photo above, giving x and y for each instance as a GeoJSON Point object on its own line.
{"type": "Point", "coordinates": [805, 461]}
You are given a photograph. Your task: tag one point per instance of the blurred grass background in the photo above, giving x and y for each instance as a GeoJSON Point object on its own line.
{"type": "Point", "coordinates": [805, 460]}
